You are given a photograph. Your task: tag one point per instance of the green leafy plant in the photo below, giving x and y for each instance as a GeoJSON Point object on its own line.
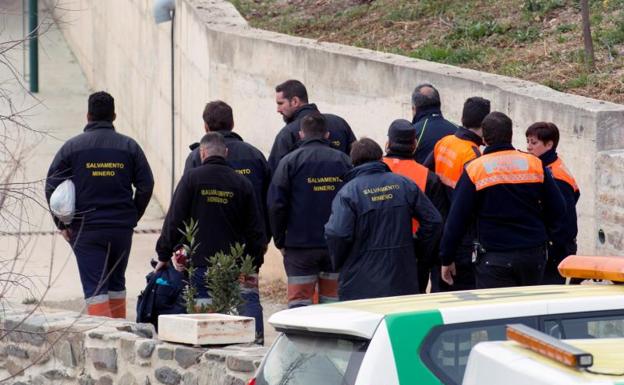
{"type": "Point", "coordinates": [189, 234]}
{"type": "Point", "coordinates": [222, 278]}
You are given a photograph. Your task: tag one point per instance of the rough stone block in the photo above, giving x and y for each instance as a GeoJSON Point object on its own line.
{"type": "Point", "coordinates": [127, 379]}
{"type": "Point", "coordinates": [103, 358]}
{"type": "Point", "coordinates": [167, 376]}
{"type": "Point", "coordinates": [41, 380]}
{"type": "Point", "coordinates": [86, 379]}
{"type": "Point", "coordinates": [189, 379]}
{"type": "Point", "coordinates": [40, 357]}
{"type": "Point", "coordinates": [63, 351]}
{"type": "Point", "coordinates": [30, 330]}
{"type": "Point", "coordinates": [13, 368]}
{"type": "Point", "coordinates": [165, 353]}
{"type": "Point", "coordinates": [104, 380]}
{"type": "Point", "coordinates": [186, 357]}
{"type": "Point", "coordinates": [206, 329]}
{"type": "Point", "coordinates": [233, 380]}
{"type": "Point", "coordinates": [145, 348]}
{"type": "Point", "coordinates": [16, 351]}
{"type": "Point", "coordinates": [141, 330]}
{"type": "Point", "coordinates": [240, 363]}
{"type": "Point", "coordinates": [56, 375]}
{"type": "Point", "coordinates": [217, 354]}
{"type": "Point", "coordinates": [127, 350]}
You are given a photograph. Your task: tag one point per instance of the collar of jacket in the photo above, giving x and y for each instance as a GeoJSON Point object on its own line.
{"type": "Point", "coordinates": [397, 155]}
{"type": "Point", "coordinates": [230, 135]}
{"type": "Point", "coordinates": [302, 111]}
{"type": "Point", "coordinates": [368, 168]}
{"type": "Point", "coordinates": [99, 124]}
{"type": "Point", "coordinates": [548, 157]}
{"type": "Point", "coordinates": [226, 134]}
{"type": "Point", "coordinates": [314, 141]}
{"type": "Point", "coordinates": [467, 134]}
{"type": "Point", "coordinates": [215, 159]}
{"type": "Point", "coordinates": [427, 112]}
{"type": "Point", "coordinates": [497, 148]}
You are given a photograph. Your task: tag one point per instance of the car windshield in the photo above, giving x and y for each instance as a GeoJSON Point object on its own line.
{"type": "Point", "coordinates": [301, 359]}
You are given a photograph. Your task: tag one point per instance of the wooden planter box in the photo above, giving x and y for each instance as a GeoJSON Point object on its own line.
{"type": "Point", "coordinates": [206, 329]}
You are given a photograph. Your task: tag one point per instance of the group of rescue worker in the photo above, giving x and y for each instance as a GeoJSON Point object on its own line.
{"type": "Point", "coordinates": [445, 207]}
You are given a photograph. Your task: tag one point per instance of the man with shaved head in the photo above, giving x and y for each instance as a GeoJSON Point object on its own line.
{"type": "Point", "coordinates": [428, 121]}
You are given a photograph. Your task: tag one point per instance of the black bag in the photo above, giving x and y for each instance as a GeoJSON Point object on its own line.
{"type": "Point", "coordinates": [162, 295]}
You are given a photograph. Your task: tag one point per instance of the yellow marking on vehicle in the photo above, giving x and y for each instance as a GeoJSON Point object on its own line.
{"type": "Point", "coordinates": [460, 299]}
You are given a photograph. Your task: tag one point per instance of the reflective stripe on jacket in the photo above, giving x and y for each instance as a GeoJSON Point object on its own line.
{"type": "Point", "coordinates": [505, 167]}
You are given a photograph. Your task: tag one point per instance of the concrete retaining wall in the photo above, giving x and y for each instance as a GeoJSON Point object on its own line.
{"type": "Point", "coordinates": [67, 348]}
{"type": "Point", "coordinates": [217, 56]}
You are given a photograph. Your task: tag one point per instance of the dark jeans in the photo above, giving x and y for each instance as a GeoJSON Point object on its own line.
{"type": "Point", "coordinates": [524, 267]}
{"type": "Point", "coordinates": [464, 278]}
{"type": "Point", "coordinates": [102, 257]}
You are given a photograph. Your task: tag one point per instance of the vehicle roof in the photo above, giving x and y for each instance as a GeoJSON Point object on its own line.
{"type": "Point", "coordinates": [608, 358]}
{"type": "Point", "coordinates": [360, 318]}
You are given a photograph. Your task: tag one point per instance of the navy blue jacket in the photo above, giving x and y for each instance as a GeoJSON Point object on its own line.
{"type": "Point", "coordinates": [246, 160]}
{"type": "Point", "coordinates": [301, 192]}
{"type": "Point", "coordinates": [340, 134]}
{"type": "Point", "coordinates": [369, 233]}
{"type": "Point", "coordinates": [563, 234]}
{"type": "Point", "coordinates": [224, 204]}
{"type": "Point", "coordinates": [509, 216]}
{"type": "Point", "coordinates": [104, 165]}
{"type": "Point", "coordinates": [430, 127]}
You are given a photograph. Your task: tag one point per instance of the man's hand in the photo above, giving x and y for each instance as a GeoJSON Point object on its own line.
{"type": "Point", "coordinates": [448, 272]}
{"type": "Point", "coordinates": [160, 265]}
{"type": "Point", "coordinates": [66, 233]}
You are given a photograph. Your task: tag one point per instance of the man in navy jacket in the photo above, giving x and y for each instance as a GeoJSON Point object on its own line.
{"type": "Point", "coordinates": [224, 204]}
{"type": "Point", "coordinates": [292, 103]}
{"type": "Point", "coordinates": [300, 196]}
{"type": "Point", "coordinates": [428, 121]}
{"type": "Point", "coordinates": [514, 200]}
{"type": "Point", "coordinates": [104, 166]}
{"type": "Point", "coordinates": [369, 233]}
{"type": "Point", "coordinates": [249, 162]}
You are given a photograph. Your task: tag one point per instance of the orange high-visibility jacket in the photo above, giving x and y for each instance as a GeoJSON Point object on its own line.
{"type": "Point", "coordinates": [412, 170]}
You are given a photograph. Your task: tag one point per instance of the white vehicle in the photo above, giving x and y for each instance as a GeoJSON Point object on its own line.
{"type": "Point", "coordinates": [426, 339]}
{"type": "Point", "coordinates": [542, 360]}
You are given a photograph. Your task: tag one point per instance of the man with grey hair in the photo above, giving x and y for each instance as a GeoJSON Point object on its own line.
{"type": "Point", "coordinates": [222, 202]}
{"type": "Point", "coordinates": [428, 121]}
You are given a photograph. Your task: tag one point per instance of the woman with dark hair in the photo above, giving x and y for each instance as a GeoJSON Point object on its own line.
{"type": "Point", "coordinates": [542, 141]}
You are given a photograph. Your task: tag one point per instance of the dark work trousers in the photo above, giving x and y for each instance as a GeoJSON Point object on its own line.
{"type": "Point", "coordinates": [523, 267]}
{"type": "Point", "coordinates": [305, 269]}
{"type": "Point", "coordinates": [556, 254]}
{"type": "Point", "coordinates": [102, 257]}
{"type": "Point", "coordinates": [250, 295]}
{"type": "Point", "coordinates": [464, 278]}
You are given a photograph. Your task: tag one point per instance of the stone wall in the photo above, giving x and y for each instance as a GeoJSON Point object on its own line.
{"type": "Point", "coordinates": [68, 348]}
{"type": "Point", "coordinates": [218, 56]}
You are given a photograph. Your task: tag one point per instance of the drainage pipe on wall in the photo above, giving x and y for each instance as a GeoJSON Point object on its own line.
{"type": "Point", "coordinates": [164, 10]}
{"type": "Point", "coordinates": [33, 45]}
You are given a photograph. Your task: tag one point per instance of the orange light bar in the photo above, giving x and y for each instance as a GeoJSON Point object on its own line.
{"type": "Point", "coordinates": [549, 346]}
{"type": "Point", "coordinates": [593, 267]}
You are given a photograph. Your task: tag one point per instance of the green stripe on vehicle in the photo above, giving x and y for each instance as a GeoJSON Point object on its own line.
{"type": "Point", "coordinates": [407, 332]}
